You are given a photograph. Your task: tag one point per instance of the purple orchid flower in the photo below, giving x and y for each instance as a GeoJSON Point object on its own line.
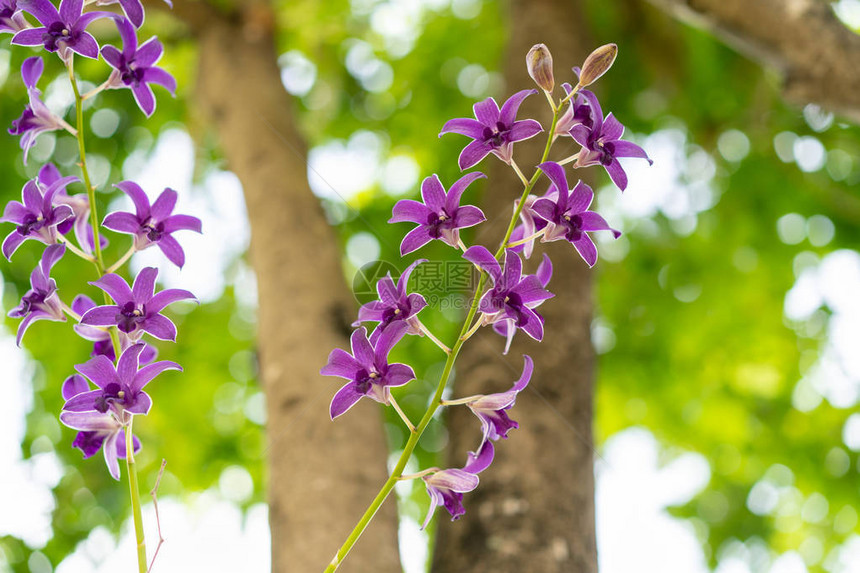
{"type": "Point", "coordinates": [80, 205]}
{"type": "Point", "coordinates": [492, 409]}
{"type": "Point", "coordinates": [37, 217]}
{"type": "Point", "coordinates": [120, 387]}
{"type": "Point", "coordinates": [446, 487]}
{"type": "Point", "coordinates": [568, 216]}
{"type": "Point", "coordinates": [602, 144]}
{"type": "Point", "coordinates": [134, 67]}
{"type": "Point", "coordinates": [61, 30]}
{"type": "Point", "coordinates": [153, 224]}
{"type": "Point", "coordinates": [578, 112]}
{"type": "Point", "coordinates": [137, 310]}
{"type": "Point", "coordinates": [512, 296]}
{"type": "Point", "coordinates": [367, 369]}
{"type": "Point", "coordinates": [495, 130]}
{"type": "Point", "coordinates": [11, 18]}
{"type": "Point", "coordinates": [36, 118]}
{"type": "Point", "coordinates": [440, 216]}
{"type": "Point", "coordinates": [394, 305]}
{"type": "Point", "coordinates": [102, 344]}
{"type": "Point", "coordinates": [95, 429]}
{"type": "Point", "coordinates": [41, 302]}
{"type": "Point", "coordinates": [507, 328]}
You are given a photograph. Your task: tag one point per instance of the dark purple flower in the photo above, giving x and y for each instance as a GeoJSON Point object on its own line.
{"type": "Point", "coordinates": [120, 387]}
{"type": "Point", "coordinates": [80, 205]}
{"type": "Point", "coordinates": [153, 224]}
{"type": "Point", "coordinates": [440, 216]}
{"type": "Point", "coordinates": [134, 67]}
{"type": "Point", "coordinates": [367, 369]}
{"type": "Point", "coordinates": [61, 30]}
{"type": "Point", "coordinates": [446, 487]}
{"type": "Point", "coordinates": [512, 296]}
{"type": "Point", "coordinates": [11, 18]}
{"type": "Point", "coordinates": [102, 344]}
{"type": "Point", "coordinates": [36, 118]}
{"type": "Point", "coordinates": [394, 304]}
{"type": "Point", "coordinates": [602, 144]}
{"type": "Point", "coordinates": [96, 429]}
{"type": "Point", "coordinates": [37, 217]}
{"type": "Point", "coordinates": [492, 409]}
{"type": "Point", "coordinates": [568, 216]}
{"type": "Point", "coordinates": [507, 328]}
{"type": "Point", "coordinates": [137, 309]}
{"type": "Point", "coordinates": [41, 302]}
{"type": "Point", "coordinates": [495, 130]}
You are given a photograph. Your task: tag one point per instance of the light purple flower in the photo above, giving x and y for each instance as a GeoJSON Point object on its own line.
{"type": "Point", "coordinates": [507, 328]}
{"type": "Point", "coordinates": [11, 18]}
{"type": "Point", "coordinates": [578, 111]}
{"type": "Point", "coordinates": [134, 67]}
{"type": "Point", "coordinates": [367, 369]}
{"type": "Point", "coordinates": [37, 217]}
{"type": "Point", "coordinates": [41, 302]}
{"type": "Point", "coordinates": [446, 487]}
{"type": "Point", "coordinates": [96, 429]}
{"type": "Point", "coordinates": [61, 30]}
{"type": "Point", "coordinates": [394, 304]}
{"type": "Point", "coordinates": [494, 131]}
{"type": "Point", "coordinates": [602, 144]}
{"type": "Point", "coordinates": [492, 409]}
{"type": "Point", "coordinates": [513, 296]}
{"type": "Point", "coordinates": [440, 216]}
{"type": "Point", "coordinates": [120, 387]}
{"type": "Point", "coordinates": [36, 118]}
{"type": "Point", "coordinates": [568, 216]}
{"type": "Point", "coordinates": [137, 310]}
{"type": "Point", "coordinates": [153, 224]}
{"type": "Point", "coordinates": [80, 205]}
{"type": "Point", "coordinates": [102, 344]}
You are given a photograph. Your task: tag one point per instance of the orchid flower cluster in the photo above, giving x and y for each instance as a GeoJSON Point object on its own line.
{"type": "Point", "coordinates": [107, 392]}
{"type": "Point", "coordinates": [506, 298]}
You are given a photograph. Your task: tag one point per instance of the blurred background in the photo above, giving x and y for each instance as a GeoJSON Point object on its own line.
{"type": "Point", "coordinates": [726, 320]}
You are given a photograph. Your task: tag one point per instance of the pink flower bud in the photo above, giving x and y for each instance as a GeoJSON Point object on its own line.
{"type": "Point", "coordinates": [539, 64]}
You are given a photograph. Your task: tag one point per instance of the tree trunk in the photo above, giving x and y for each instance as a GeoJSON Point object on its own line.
{"type": "Point", "coordinates": [804, 39]}
{"type": "Point", "coordinates": [321, 473]}
{"type": "Point", "coordinates": [534, 508]}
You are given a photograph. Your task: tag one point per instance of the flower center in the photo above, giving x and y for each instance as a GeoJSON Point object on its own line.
{"type": "Point", "coordinates": [31, 223]}
{"type": "Point", "coordinates": [437, 222]}
{"type": "Point", "coordinates": [129, 316]}
{"type": "Point", "coordinates": [496, 136]}
{"type": "Point", "coordinates": [153, 231]}
{"type": "Point", "coordinates": [130, 74]}
{"type": "Point", "coordinates": [55, 33]}
{"type": "Point", "coordinates": [574, 227]}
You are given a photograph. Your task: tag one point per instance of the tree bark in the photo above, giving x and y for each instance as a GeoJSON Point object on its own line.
{"type": "Point", "coordinates": [534, 508]}
{"type": "Point", "coordinates": [321, 473]}
{"type": "Point", "coordinates": [804, 39]}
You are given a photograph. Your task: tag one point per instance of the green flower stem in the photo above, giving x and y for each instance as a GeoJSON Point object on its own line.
{"type": "Point", "coordinates": [436, 402]}
{"type": "Point", "coordinates": [91, 192]}
{"type": "Point", "coordinates": [135, 497]}
{"type": "Point", "coordinates": [98, 261]}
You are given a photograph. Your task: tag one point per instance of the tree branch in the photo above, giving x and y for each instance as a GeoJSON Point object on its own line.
{"type": "Point", "coordinates": [816, 53]}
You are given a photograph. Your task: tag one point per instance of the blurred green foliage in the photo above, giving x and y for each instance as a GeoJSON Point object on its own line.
{"type": "Point", "coordinates": [702, 355]}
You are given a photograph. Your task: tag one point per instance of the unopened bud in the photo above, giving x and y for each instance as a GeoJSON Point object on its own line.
{"type": "Point", "coordinates": [539, 64]}
{"type": "Point", "coordinates": [597, 63]}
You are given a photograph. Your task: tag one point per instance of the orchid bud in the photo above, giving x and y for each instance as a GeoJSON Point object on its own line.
{"type": "Point", "coordinates": [539, 64]}
{"type": "Point", "coordinates": [597, 63]}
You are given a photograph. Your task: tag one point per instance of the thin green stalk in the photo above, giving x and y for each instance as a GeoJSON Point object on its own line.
{"type": "Point", "coordinates": [99, 263]}
{"type": "Point", "coordinates": [91, 192]}
{"type": "Point", "coordinates": [135, 497]}
{"type": "Point", "coordinates": [436, 402]}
